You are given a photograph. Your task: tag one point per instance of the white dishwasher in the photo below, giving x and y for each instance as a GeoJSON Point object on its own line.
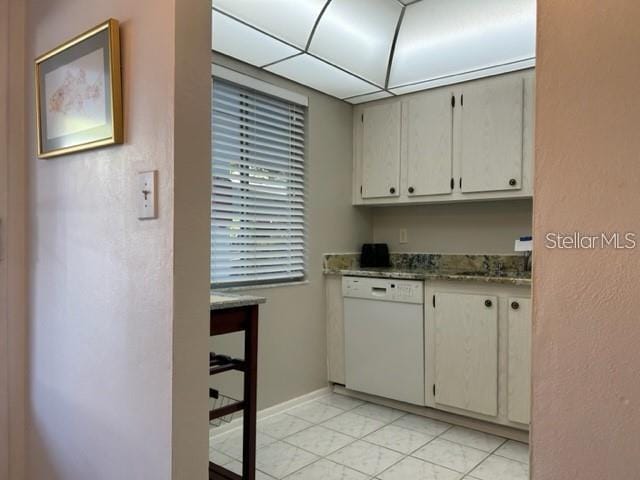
{"type": "Point", "coordinates": [384, 337]}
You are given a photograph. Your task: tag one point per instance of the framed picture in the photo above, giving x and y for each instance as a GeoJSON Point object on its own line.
{"type": "Point", "coordinates": [79, 93]}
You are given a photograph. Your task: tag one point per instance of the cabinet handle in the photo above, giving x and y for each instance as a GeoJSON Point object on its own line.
{"type": "Point", "coordinates": [411, 190]}
{"type": "Point", "coordinates": [392, 190]}
{"type": "Point", "coordinates": [488, 303]}
{"type": "Point", "coordinates": [515, 305]}
{"type": "Point", "coordinates": [513, 182]}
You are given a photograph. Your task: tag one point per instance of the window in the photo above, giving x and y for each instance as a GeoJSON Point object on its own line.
{"type": "Point", "coordinates": [257, 207]}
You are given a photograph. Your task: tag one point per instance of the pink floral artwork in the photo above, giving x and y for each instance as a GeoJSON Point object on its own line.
{"type": "Point", "coordinates": [75, 96]}
{"type": "Point", "coordinates": [74, 92]}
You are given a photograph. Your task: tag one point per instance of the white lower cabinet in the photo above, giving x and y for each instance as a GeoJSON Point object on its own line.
{"type": "Point", "coordinates": [519, 370]}
{"type": "Point", "coordinates": [466, 352]}
{"type": "Point", "coordinates": [477, 354]}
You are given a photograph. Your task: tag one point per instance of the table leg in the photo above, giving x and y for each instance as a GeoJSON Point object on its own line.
{"type": "Point", "coordinates": [250, 395]}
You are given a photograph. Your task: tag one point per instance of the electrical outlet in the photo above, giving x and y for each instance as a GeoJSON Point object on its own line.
{"type": "Point", "coordinates": [403, 235]}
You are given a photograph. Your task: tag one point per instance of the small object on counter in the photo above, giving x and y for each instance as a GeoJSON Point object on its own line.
{"type": "Point", "coordinates": [524, 244]}
{"type": "Point", "coordinates": [375, 255]}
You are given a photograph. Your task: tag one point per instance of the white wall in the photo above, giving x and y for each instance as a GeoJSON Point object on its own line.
{"type": "Point", "coordinates": [292, 341]}
{"type": "Point", "coordinates": [116, 341]}
{"type": "Point", "coordinates": [483, 227]}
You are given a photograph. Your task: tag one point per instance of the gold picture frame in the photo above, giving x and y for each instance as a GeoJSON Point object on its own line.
{"type": "Point", "coordinates": [79, 93]}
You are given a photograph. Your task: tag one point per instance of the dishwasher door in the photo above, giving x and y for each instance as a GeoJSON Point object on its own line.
{"type": "Point", "coordinates": [384, 338]}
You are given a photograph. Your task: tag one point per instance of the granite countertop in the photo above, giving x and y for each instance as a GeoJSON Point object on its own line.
{"type": "Point", "coordinates": [497, 269]}
{"type": "Point", "coordinates": [510, 278]}
{"type": "Point", "coordinates": [223, 300]}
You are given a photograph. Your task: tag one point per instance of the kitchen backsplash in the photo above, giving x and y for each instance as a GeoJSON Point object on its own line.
{"type": "Point", "coordinates": [492, 264]}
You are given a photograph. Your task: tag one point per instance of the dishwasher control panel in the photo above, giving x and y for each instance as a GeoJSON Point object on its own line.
{"type": "Point", "coordinates": [384, 289]}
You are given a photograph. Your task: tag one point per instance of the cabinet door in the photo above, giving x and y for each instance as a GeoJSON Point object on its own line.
{"type": "Point", "coordinates": [491, 135]}
{"type": "Point", "coordinates": [429, 152]}
{"type": "Point", "coordinates": [466, 352]}
{"type": "Point", "coordinates": [519, 369]}
{"type": "Point", "coordinates": [381, 151]}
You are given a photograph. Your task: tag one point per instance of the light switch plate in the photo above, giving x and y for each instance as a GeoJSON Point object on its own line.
{"type": "Point", "coordinates": [146, 195]}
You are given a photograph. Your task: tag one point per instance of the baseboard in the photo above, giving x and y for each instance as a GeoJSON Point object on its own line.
{"type": "Point", "coordinates": [236, 423]}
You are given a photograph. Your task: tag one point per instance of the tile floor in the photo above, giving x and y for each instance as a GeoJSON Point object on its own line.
{"type": "Point", "coordinates": [341, 438]}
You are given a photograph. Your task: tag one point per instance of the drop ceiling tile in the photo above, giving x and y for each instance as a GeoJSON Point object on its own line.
{"type": "Point", "coordinates": [317, 74]}
{"type": "Point", "coordinates": [369, 97]}
{"type": "Point", "coordinates": [440, 38]}
{"type": "Point", "coordinates": [290, 20]}
{"type": "Point", "coordinates": [357, 35]}
{"type": "Point", "coordinates": [463, 77]}
{"type": "Point", "coordinates": [244, 43]}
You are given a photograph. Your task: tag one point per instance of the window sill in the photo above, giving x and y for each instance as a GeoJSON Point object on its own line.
{"type": "Point", "coordinates": [245, 288]}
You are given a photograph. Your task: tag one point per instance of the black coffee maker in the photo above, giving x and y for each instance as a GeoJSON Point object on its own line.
{"type": "Point", "coordinates": [375, 255]}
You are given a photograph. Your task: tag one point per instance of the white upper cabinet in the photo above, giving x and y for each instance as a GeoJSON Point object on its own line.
{"type": "Point", "coordinates": [428, 125]}
{"type": "Point", "coordinates": [472, 141]}
{"type": "Point", "coordinates": [466, 352]}
{"type": "Point", "coordinates": [491, 135]}
{"type": "Point", "coordinates": [381, 151]}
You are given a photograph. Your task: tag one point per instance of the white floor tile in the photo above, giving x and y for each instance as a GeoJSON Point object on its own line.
{"type": "Point", "coordinates": [326, 470]}
{"type": "Point", "coordinates": [378, 412]}
{"type": "Point", "coordinates": [282, 425]}
{"type": "Point", "coordinates": [414, 469]}
{"type": "Point", "coordinates": [315, 412]}
{"type": "Point", "coordinates": [366, 457]}
{"type": "Point", "coordinates": [422, 424]}
{"type": "Point", "coordinates": [451, 455]}
{"type": "Point", "coordinates": [341, 401]}
{"type": "Point", "coordinates": [219, 458]}
{"type": "Point", "coordinates": [236, 467]}
{"type": "Point", "coordinates": [399, 439]}
{"type": "Point", "coordinates": [500, 468]}
{"type": "Point", "coordinates": [473, 438]}
{"type": "Point", "coordinates": [515, 451]}
{"type": "Point", "coordinates": [231, 443]}
{"type": "Point", "coordinates": [280, 459]}
{"type": "Point", "coordinates": [354, 425]}
{"type": "Point", "coordinates": [319, 440]}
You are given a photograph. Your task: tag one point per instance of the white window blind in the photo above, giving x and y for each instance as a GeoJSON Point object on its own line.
{"type": "Point", "coordinates": [257, 208]}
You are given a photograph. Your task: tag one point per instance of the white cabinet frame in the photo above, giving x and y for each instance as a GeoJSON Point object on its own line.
{"type": "Point", "coordinates": [457, 194]}
{"type": "Point", "coordinates": [504, 295]}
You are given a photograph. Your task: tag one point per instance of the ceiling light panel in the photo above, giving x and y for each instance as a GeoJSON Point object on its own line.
{"type": "Point", "coordinates": [317, 74]}
{"type": "Point", "coordinates": [464, 77]}
{"type": "Point", "coordinates": [357, 36]}
{"type": "Point", "coordinates": [369, 97]}
{"type": "Point", "coordinates": [445, 38]}
{"type": "Point", "coordinates": [244, 43]}
{"type": "Point", "coordinates": [289, 20]}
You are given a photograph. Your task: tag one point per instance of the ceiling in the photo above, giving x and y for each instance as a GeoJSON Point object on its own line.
{"type": "Point", "coordinates": [363, 50]}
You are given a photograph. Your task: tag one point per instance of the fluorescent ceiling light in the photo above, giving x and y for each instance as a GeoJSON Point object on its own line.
{"type": "Point", "coordinates": [245, 43]}
{"type": "Point", "coordinates": [317, 74]}
{"type": "Point", "coordinates": [289, 20]}
{"type": "Point", "coordinates": [357, 35]}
